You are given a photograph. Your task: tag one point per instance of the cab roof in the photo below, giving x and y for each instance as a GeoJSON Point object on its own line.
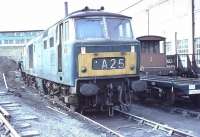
{"type": "Point", "coordinates": [86, 12]}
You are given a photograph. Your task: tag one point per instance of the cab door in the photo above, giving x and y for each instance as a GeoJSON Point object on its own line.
{"type": "Point", "coordinates": [59, 52]}
{"type": "Point", "coordinates": [60, 33]}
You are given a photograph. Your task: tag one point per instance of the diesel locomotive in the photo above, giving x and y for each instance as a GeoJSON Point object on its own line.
{"type": "Point", "coordinates": [89, 60]}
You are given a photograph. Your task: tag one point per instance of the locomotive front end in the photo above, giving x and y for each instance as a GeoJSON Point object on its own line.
{"type": "Point", "coordinates": [107, 60]}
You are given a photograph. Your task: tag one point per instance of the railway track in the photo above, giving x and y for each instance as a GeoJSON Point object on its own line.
{"type": "Point", "coordinates": [155, 125]}
{"type": "Point", "coordinates": [60, 107]}
{"type": "Point", "coordinates": [6, 128]}
{"type": "Point", "coordinates": [132, 124]}
{"type": "Point", "coordinates": [13, 122]}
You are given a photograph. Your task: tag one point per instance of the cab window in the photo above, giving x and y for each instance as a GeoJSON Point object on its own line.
{"type": "Point", "coordinates": [89, 28]}
{"type": "Point", "coordinates": [119, 29]}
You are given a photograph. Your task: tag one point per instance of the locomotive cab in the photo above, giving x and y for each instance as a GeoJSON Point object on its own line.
{"type": "Point", "coordinates": [106, 58]}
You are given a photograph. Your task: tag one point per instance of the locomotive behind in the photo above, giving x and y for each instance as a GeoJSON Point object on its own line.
{"type": "Point", "coordinates": [89, 60]}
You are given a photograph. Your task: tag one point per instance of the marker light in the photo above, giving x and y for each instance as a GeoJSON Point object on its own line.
{"type": "Point", "coordinates": [83, 51]}
{"type": "Point", "coordinates": [83, 69]}
{"type": "Point", "coordinates": [132, 48]}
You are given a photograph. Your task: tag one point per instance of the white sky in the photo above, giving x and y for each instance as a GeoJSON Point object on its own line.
{"type": "Point", "coordinates": [40, 14]}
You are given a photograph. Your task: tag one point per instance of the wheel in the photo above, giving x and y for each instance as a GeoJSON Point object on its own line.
{"type": "Point", "coordinates": [44, 88]}
{"type": "Point", "coordinates": [195, 100]}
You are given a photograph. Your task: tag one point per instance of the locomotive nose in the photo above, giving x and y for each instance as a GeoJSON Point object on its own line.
{"type": "Point", "coordinates": [89, 89]}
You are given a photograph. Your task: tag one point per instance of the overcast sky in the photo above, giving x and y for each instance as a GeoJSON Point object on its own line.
{"type": "Point", "coordinates": [40, 14]}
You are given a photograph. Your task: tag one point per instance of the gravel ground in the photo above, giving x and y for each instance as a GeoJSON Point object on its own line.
{"type": "Point", "coordinates": [49, 123]}
{"type": "Point", "coordinates": [187, 124]}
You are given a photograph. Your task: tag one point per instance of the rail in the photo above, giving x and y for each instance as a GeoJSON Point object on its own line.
{"type": "Point", "coordinates": [4, 122]}
{"type": "Point", "coordinates": [155, 125]}
{"type": "Point", "coordinates": [5, 118]}
{"type": "Point", "coordinates": [5, 113]}
{"type": "Point", "coordinates": [170, 131]}
{"type": "Point", "coordinates": [60, 105]}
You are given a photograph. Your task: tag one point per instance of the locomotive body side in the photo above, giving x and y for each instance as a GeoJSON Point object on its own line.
{"type": "Point", "coordinates": [41, 57]}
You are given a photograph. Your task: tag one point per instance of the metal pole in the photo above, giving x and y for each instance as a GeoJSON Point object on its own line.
{"type": "Point", "coordinates": [66, 9]}
{"type": "Point", "coordinates": [164, 48]}
{"type": "Point", "coordinates": [147, 20]}
{"type": "Point", "coordinates": [193, 34]}
{"type": "Point", "coordinates": [176, 55]}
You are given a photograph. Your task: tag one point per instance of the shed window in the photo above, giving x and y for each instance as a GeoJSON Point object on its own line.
{"type": "Point", "coordinates": [45, 44]}
{"type": "Point", "coordinates": [5, 41]}
{"type": "Point", "coordinates": [21, 41]}
{"type": "Point", "coordinates": [51, 41]}
{"type": "Point", "coordinates": [10, 41]}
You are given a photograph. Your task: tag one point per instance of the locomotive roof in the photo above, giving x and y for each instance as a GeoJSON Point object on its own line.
{"type": "Point", "coordinates": [86, 12]}
{"type": "Point", "coordinates": [91, 12]}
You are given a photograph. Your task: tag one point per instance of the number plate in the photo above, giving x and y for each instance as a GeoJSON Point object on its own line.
{"type": "Point", "coordinates": [108, 63]}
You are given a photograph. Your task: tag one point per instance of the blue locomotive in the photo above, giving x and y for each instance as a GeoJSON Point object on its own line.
{"type": "Point", "coordinates": [89, 59]}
